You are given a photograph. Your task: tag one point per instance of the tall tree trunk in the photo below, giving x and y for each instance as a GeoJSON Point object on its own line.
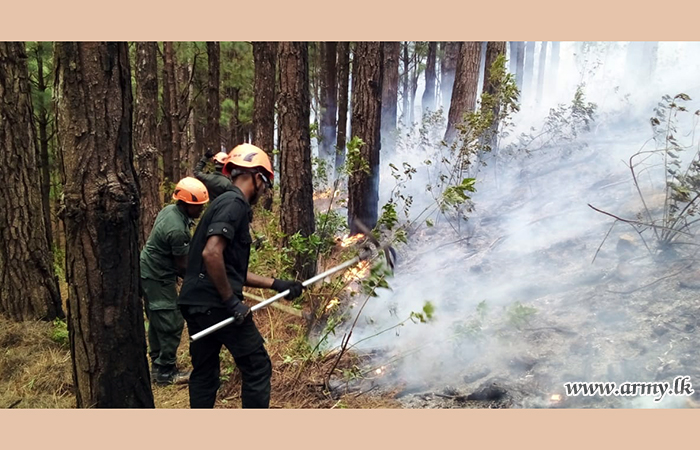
{"type": "Point", "coordinates": [296, 189]}
{"type": "Point", "coordinates": [541, 71]}
{"type": "Point", "coordinates": [493, 50]}
{"type": "Point", "coordinates": [213, 135]}
{"type": "Point", "coordinates": [512, 57]}
{"type": "Point", "coordinates": [343, 84]}
{"type": "Point", "coordinates": [520, 65]}
{"type": "Point", "coordinates": [390, 93]}
{"type": "Point", "coordinates": [105, 314]}
{"type": "Point", "coordinates": [183, 106]}
{"type": "Point", "coordinates": [465, 86]}
{"type": "Point", "coordinates": [428, 100]}
{"type": "Point", "coordinates": [406, 102]}
{"type": "Point", "coordinates": [265, 57]}
{"type": "Point", "coordinates": [167, 125]}
{"type": "Point", "coordinates": [194, 147]}
{"type": "Point", "coordinates": [414, 83]}
{"type": "Point", "coordinates": [363, 187]}
{"type": "Point", "coordinates": [236, 129]}
{"type": "Point", "coordinates": [145, 136]}
{"type": "Point", "coordinates": [28, 288]}
{"type": "Point", "coordinates": [329, 101]}
{"type": "Point", "coordinates": [529, 70]}
{"type": "Point", "coordinates": [448, 66]}
{"type": "Point", "coordinates": [554, 69]}
{"type": "Point", "coordinates": [42, 116]}
{"type": "Point", "coordinates": [482, 68]}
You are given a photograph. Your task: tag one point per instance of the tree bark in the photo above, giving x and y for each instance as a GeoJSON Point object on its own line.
{"type": "Point", "coordinates": [329, 101]}
{"type": "Point", "coordinates": [42, 122]}
{"type": "Point", "coordinates": [390, 92]}
{"type": "Point", "coordinates": [541, 71]}
{"type": "Point", "coordinates": [363, 187]}
{"type": "Point", "coordinates": [406, 102]}
{"type": "Point", "coordinates": [168, 136]}
{"type": "Point", "coordinates": [465, 86]}
{"type": "Point", "coordinates": [343, 85]}
{"type": "Point", "coordinates": [428, 100]}
{"type": "Point", "coordinates": [296, 189]}
{"type": "Point", "coordinates": [493, 51]}
{"type": "Point", "coordinates": [448, 66]}
{"type": "Point", "coordinates": [105, 313]}
{"type": "Point", "coordinates": [213, 136]}
{"type": "Point", "coordinates": [146, 137]}
{"type": "Point", "coordinates": [28, 288]}
{"type": "Point", "coordinates": [265, 58]}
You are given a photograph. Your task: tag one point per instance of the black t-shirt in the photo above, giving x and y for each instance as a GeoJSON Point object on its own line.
{"type": "Point", "coordinates": [229, 216]}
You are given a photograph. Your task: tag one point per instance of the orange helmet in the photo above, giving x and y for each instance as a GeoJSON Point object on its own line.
{"type": "Point", "coordinates": [191, 190]}
{"type": "Point", "coordinates": [248, 156]}
{"type": "Point", "coordinates": [220, 158]}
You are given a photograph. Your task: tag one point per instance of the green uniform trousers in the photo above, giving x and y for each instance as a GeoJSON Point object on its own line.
{"type": "Point", "coordinates": [165, 321]}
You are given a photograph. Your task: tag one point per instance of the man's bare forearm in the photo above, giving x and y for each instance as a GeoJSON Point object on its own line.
{"type": "Point", "coordinates": [258, 281]}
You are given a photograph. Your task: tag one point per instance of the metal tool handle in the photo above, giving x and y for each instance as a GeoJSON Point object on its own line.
{"type": "Point", "coordinates": [273, 299]}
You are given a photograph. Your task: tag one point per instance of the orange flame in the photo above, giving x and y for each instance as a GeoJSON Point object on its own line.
{"type": "Point", "coordinates": [358, 272]}
{"type": "Point", "coordinates": [350, 240]}
{"type": "Point", "coordinates": [332, 303]}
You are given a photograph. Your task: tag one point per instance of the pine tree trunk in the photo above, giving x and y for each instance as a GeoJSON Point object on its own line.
{"type": "Point", "coordinates": [414, 84]}
{"type": "Point", "coordinates": [448, 66]}
{"type": "Point", "coordinates": [390, 92]}
{"type": "Point", "coordinates": [235, 128]}
{"type": "Point", "coordinates": [554, 69]}
{"type": "Point", "coordinates": [343, 92]}
{"type": "Point", "coordinates": [146, 137]}
{"type": "Point", "coordinates": [296, 189]}
{"type": "Point", "coordinates": [493, 51]}
{"type": "Point", "coordinates": [520, 66]}
{"type": "Point", "coordinates": [465, 86]}
{"type": "Point", "coordinates": [42, 116]}
{"type": "Point", "coordinates": [213, 135]}
{"type": "Point", "coordinates": [105, 314]}
{"type": "Point", "coordinates": [406, 103]}
{"type": "Point", "coordinates": [529, 69]}
{"type": "Point", "coordinates": [329, 101]}
{"type": "Point", "coordinates": [428, 100]}
{"type": "Point", "coordinates": [541, 71]}
{"type": "Point", "coordinates": [512, 57]}
{"type": "Point", "coordinates": [363, 195]}
{"type": "Point", "coordinates": [183, 105]}
{"type": "Point", "coordinates": [167, 124]}
{"type": "Point", "coordinates": [265, 56]}
{"type": "Point", "coordinates": [28, 288]}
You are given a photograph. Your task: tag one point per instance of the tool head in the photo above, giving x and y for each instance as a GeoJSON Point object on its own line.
{"type": "Point", "coordinates": [389, 252]}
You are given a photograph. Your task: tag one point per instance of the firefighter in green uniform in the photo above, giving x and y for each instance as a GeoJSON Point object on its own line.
{"type": "Point", "coordinates": [163, 259]}
{"type": "Point", "coordinates": [217, 183]}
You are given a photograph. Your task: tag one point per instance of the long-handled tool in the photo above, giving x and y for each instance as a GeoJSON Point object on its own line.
{"type": "Point", "coordinates": [389, 252]}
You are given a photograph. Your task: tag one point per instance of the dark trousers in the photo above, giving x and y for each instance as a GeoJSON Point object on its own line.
{"type": "Point", "coordinates": [245, 344]}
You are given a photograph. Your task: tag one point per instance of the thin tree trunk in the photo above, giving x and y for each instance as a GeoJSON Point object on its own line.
{"type": "Point", "coordinates": [414, 83]}
{"type": "Point", "coordinates": [448, 67]}
{"type": "Point", "coordinates": [390, 93]}
{"type": "Point", "coordinates": [145, 136]}
{"type": "Point", "coordinates": [541, 71]}
{"type": "Point", "coordinates": [428, 100]}
{"type": "Point", "coordinates": [493, 51]}
{"type": "Point", "coordinates": [465, 86]}
{"type": "Point", "coordinates": [265, 57]}
{"type": "Point", "coordinates": [520, 66]}
{"type": "Point", "coordinates": [363, 195]}
{"type": "Point", "coordinates": [213, 135]}
{"type": "Point", "coordinates": [512, 57]}
{"type": "Point", "coordinates": [28, 287]}
{"type": "Point", "coordinates": [105, 313]}
{"type": "Point", "coordinates": [296, 189]}
{"type": "Point", "coordinates": [343, 84]}
{"type": "Point", "coordinates": [406, 103]}
{"type": "Point", "coordinates": [329, 101]}
{"type": "Point", "coordinates": [168, 135]}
